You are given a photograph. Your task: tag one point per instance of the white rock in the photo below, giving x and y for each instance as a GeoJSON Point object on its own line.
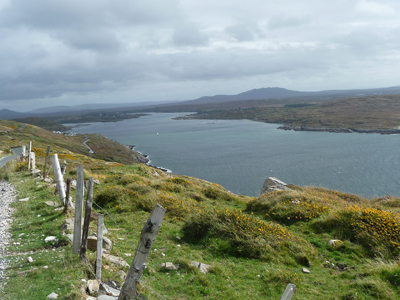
{"type": "Point", "coordinates": [104, 288]}
{"type": "Point", "coordinates": [169, 266]}
{"type": "Point", "coordinates": [304, 270]}
{"type": "Point", "coordinates": [29, 259]}
{"type": "Point", "coordinates": [50, 238]}
{"type": "Point", "coordinates": [52, 296]}
{"type": "Point", "coordinates": [273, 184]}
{"type": "Point", "coordinates": [335, 243]}
{"type": "Point", "coordinates": [203, 268]}
{"type": "Point", "coordinates": [93, 286]}
{"type": "Point", "coordinates": [24, 199]}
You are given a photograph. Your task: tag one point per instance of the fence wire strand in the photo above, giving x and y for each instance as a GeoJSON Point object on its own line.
{"type": "Point", "coordinates": [119, 229]}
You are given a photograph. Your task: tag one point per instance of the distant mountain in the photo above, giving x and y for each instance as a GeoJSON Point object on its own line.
{"type": "Point", "coordinates": [6, 114]}
{"type": "Point", "coordinates": [281, 93]}
{"type": "Point", "coordinates": [87, 107]}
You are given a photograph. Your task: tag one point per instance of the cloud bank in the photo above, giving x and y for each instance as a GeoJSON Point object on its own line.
{"type": "Point", "coordinates": [72, 52]}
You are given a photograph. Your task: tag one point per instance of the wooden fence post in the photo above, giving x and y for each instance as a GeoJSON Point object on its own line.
{"type": "Point", "coordinates": [100, 222]}
{"type": "Point", "coordinates": [88, 211]}
{"type": "Point", "coordinates": [67, 196]}
{"type": "Point", "coordinates": [147, 238]}
{"type": "Point", "coordinates": [45, 162]}
{"type": "Point", "coordinates": [59, 178]}
{"type": "Point", "coordinates": [78, 209]}
{"type": "Point", "coordinates": [289, 292]}
{"type": "Point", "coordinates": [29, 155]}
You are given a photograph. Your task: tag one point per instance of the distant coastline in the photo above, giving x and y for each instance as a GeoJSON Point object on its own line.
{"type": "Point", "coordinates": [339, 130]}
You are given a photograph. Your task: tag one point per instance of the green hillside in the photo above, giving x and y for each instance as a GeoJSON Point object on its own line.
{"type": "Point", "coordinates": [254, 246]}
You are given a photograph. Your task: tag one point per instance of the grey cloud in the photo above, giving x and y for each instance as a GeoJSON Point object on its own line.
{"type": "Point", "coordinates": [277, 22]}
{"type": "Point", "coordinates": [96, 40]}
{"type": "Point", "coordinates": [188, 35]}
{"type": "Point", "coordinates": [240, 32]}
{"type": "Point", "coordinates": [48, 14]}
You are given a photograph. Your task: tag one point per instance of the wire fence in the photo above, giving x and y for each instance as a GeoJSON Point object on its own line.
{"type": "Point", "coordinates": [142, 283]}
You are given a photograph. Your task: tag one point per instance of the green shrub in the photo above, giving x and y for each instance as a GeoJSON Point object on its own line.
{"type": "Point", "coordinates": [236, 233]}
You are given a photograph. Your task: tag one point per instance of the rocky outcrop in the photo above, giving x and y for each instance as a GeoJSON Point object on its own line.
{"type": "Point", "coordinates": [142, 158]}
{"type": "Point", "coordinates": [273, 184]}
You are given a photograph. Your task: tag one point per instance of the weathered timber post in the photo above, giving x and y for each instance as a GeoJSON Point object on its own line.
{"type": "Point", "coordinates": [78, 209]}
{"type": "Point", "coordinates": [23, 155]}
{"type": "Point", "coordinates": [29, 155]}
{"type": "Point", "coordinates": [100, 224]}
{"type": "Point", "coordinates": [147, 238]}
{"type": "Point", "coordinates": [67, 195]}
{"type": "Point", "coordinates": [289, 292]}
{"type": "Point", "coordinates": [63, 167]}
{"type": "Point", "coordinates": [33, 160]}
{"type": "Point", "coordinates": [59, 178]}
{"type": "Point", "coordinates": [45, 162]}
{"type": "Point", "coordinates": [88, 211]}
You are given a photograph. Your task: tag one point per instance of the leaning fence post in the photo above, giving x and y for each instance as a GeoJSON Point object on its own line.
{"type": "Point", "coordinates": [78, 209]}
{"type": "Point", "coordinates": [100, 222]}
{"type": "Point", "coordinates": [45, 162]}
{"type": "Point", "coordinates": [59, 178]}
{"type": "Point", "coordinates": [88, 211]}
{"type": "Point", "coordinates": [147, 238]}
{"type": "Point", "coordinates": [289, 292]}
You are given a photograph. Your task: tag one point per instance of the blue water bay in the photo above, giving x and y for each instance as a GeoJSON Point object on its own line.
{"type": "Point", "coordinates": [241, 154]}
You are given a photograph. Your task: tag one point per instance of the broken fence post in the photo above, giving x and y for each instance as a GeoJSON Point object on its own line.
{"type": "Point", "coordinates": [88, 211]}
{"type": "Point", "coordinates": [147, 238]}
{"type": "Point", "coordinates": [29, 155]}
{"type": "Point", "coordinates": [59, 178]}
{"type": "Point", "coordinates": [23, 155]}
{"type": "Point", "coordinates": [100, 222]}
{"type": "Point", "coordinates": [78, 209]}
{"type": "Point", "coordinates": [33, 160]}
{"type": "Point", "coordinates": [289, 292]}
{"type": "Point", "coordinates": [45, 163]}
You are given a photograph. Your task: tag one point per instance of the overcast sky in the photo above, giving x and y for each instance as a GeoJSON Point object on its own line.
{"type": "Point", "coordinates": [66, 52]}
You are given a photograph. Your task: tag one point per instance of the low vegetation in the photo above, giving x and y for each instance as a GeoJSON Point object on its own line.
{"type": "Point", "coordinates": [255, 246]}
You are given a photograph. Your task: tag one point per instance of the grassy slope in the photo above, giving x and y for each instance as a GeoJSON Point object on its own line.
{"type": "Point", "coordinates": [255, 246]}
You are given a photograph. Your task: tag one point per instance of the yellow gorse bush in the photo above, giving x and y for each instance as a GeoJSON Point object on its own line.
{"type": "Point", "coordinates": [247, 235]}
{"type": "Point", "coordinates": [377, 230]}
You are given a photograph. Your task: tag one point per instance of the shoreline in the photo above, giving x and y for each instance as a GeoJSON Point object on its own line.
{"type": "Point", "coordinates": [340, 130]}
{"type": "Point", "coordinates": [144, 159]}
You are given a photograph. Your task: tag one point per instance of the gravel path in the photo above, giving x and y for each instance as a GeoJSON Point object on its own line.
{"type": "Point", "coordinates": [7, 195]}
